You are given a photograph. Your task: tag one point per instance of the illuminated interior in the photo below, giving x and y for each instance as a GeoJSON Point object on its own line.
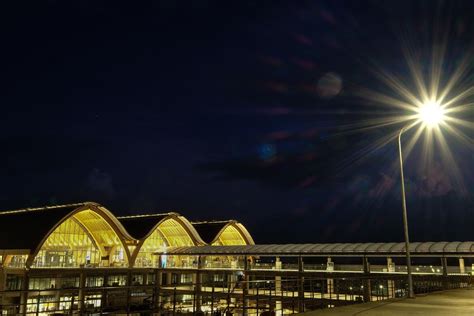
{"type": "Point", "coordinates": [175, 234]}
{"type": "Point", "coordinates": [229, 236]}
{"type": "Point", "coordinates": [169, 233]}
{"type": "Point", "coordinates": [68, 246]}
{"type": "Point", "coordinates": [155, 242]}
{"type": "Point", "coordinates": [83, 239]}
{"type": "Point", "coordinates": [15, 261]}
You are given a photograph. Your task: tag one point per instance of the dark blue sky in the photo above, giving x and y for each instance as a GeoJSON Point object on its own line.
{"type": "Point", "coordinates": [220, 110]}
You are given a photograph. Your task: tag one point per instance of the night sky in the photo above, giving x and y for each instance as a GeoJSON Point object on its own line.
{"type": "Point", "coordinates": [230, 109]}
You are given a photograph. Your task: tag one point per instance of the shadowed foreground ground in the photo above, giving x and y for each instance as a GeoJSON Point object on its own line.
{"type": "Point", "coordinates": [453, 302]}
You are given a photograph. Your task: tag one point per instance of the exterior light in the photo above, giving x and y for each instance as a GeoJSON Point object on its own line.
{"type": "Point", "coordinates": [431, 113]}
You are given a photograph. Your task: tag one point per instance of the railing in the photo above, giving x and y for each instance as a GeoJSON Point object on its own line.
{"type": "Point", "coordinates": [248, 295]}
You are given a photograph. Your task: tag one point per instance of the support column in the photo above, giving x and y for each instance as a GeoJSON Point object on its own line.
{"type": "Point", "coordinates": [329, 281]}
{"type": "Point", "coordinates": [56, 287]}
{"type": "Point", "coordinates": [233, 278]}
{"type": "Point", "coordinates": [198, 283]}
{"type": "Point", "coordinates": [24, 294]}
{"type": "Point", "coordinates": [462, 268]}
{"type": "Point", "coordinates": [169, 277]}
{"type": "Point", "coordinates": [2, 283]}
{"type": "Point", "coordinates": [444, 263]}
{"type": "Point", "coordinates": [390, 283]}
{"type": "Point", "coordinates": [82, 286]}
{"type": "Point", "coordinates": [157, 299]}
{"type": "Point", "coordinates": [300, 284]}
{"type": "Point", "coordinates": [103, 299]}
{"type": "Point", "coordinates": [245, 287]}
{"type": "Point", "coordinates": [367, 285]}
{"type": "Point", "coordinates": [278, 266]}
{"type": "Point", "coordinates": [129, 285]}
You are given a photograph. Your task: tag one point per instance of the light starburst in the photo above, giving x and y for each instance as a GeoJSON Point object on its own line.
{"type": "Point", "coordinates": [433, 102]}
{"type": "Point", "coordinates": [431, 113]}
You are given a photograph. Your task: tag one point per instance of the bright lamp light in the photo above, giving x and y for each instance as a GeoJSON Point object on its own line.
{"type": "Point", "coordinates": [431, 113]}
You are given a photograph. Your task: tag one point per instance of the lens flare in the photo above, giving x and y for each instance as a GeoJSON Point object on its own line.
{"type": "Point", "coordinates": [433, 101]}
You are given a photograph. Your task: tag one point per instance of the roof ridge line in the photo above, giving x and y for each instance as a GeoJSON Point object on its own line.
{"type": "Point", "coordinates": [145, 215]}
{"type": "Point", "coordinates": [214, 221]}
{"type": "Point", "coordinates": [43, 208]}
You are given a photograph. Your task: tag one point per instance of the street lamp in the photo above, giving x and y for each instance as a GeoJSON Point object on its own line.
{"type": "Point", "coordinates": [430, 114]}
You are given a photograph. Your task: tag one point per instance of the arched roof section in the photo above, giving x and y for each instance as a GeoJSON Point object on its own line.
{"type": "Point", "coordinates": [160, 230]}
{"type": "Point", "coordinates": [243, 230]}
{"type": "Point", "coordinates": [142, 226]}
{"type": "Point", "coordinates": [98, 223]}
{"type": "Point", "coordinates": [12, 236]}
{"type": "Point", "coordinates": [225, 233]}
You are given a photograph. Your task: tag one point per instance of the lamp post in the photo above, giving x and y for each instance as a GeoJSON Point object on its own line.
{"type": "Point", "coordinates": [430, 114]}
{"type": "Point", "coordinates": [411, 294]}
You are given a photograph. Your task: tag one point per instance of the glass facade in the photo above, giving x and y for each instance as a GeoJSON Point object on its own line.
{"type": "Point", "coordinates": [137, 279]}
{"type": "Point", "coordinates": [70, 282]}
{"type": "Point", "coordinates": [16, 261]}
{"type": "Point", "coordinates": [46, 304]}
{"type": "Point", "coordinates": [146, 258]}
{"type": "Point", "coordinates": [13, 282]}
{"type": "Point", "coordinates": [40, 305]}
{"type": "Point", "coordinates": [230, 237]}
{"type": "Point", "coordinates": [66, 302]}
{"type": "Point", "coordinates": [169, 233]}
{"type": "Point", "coordinates": [117, 280]}
{"type": "Point", "coordinates": [84, 239]}
{"type": "Point", "coordinates": [150, 279]}
{"type": "Point", "coordinates": [69, 245]}
{"type": "Point", "coordinates": [41, 283]}
{"type": "Point", "coordinates": [93, 301]}
{"type": "Point", "coordinates": [94, 281]}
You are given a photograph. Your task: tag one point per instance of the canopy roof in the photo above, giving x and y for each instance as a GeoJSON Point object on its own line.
{"type": "Point", "coordinates": [337, 249]}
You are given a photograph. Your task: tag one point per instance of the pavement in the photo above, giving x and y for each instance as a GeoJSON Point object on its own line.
{"type": "Point", "coordinates": [446, 303]}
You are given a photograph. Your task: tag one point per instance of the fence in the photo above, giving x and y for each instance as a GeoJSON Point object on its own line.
{"type": "Point", "coordinates": [245, 296]}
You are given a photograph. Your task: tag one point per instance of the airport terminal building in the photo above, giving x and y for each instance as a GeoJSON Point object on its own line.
{"type": "Point", "coordinates": [70, 253]}
{"type": "Point", "coordinates": [80, 259]}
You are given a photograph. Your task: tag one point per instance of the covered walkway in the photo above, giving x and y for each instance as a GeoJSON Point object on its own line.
{"type": "Point", "coordinates": [445, 303]}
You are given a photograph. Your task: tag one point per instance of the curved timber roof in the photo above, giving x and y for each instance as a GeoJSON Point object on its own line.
{"type": "Point", "coordinates": [211, 231]}
{"type": "Point", "coordinates": [41, 221]}
{"type": "Point", "coordinates": [36, 224]}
